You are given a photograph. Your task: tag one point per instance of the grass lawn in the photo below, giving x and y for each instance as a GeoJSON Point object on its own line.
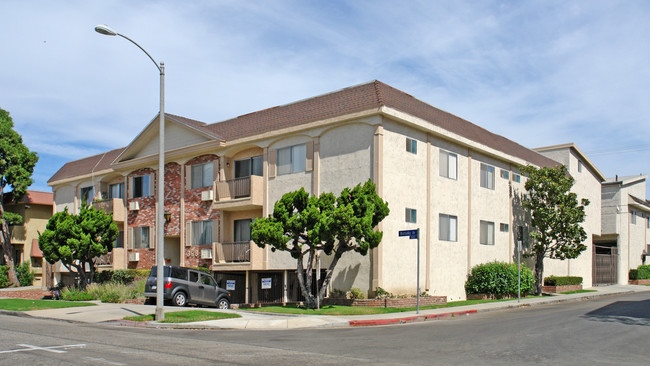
{"type": "Point", "coordinates": [576, 292]}
{"type": "Point", "coordinates": [360, 310]}
{"type": "Point", "coordinates": [185, 316]}
{"type": "Point", "coordinates": [26, 304]}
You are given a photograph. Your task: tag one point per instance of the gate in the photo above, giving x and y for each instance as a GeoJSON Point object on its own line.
{"type": "Point", "coordinates": [605, 264]}
{"type": "Point", "coordinates": [274, 293]}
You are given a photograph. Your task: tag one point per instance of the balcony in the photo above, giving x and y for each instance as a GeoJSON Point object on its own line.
{"type": "Point", "coordinates": [114, 206]}
{"type": "Point", "coordinates": [239, 194]}
{"type": "Point", "coordinates": [233, 252]}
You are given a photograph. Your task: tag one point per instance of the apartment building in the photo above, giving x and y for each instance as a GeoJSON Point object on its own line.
{"type": "Point", "coordinates": [625, 243]}
{"type": "Point", "coordinates": [36, 209]}
{"type": "Point", "coordinates": [455, 181]}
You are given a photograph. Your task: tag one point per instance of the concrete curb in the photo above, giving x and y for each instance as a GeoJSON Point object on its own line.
{"type": "Point", "coordinates": [409, 319]}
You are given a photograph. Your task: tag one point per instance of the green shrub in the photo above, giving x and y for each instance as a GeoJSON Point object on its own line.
{"type": "Point", "coordinates": [634, 274]}
{"type": "Point", "coordinates": [141, 273]}
{"type": "Point", "coordinates": [203, 269]}
{"type": "Point", "coordinates": [103, 276]}
{"type": "Point", "coordinates": [380, 293]}
{"type": "Point", "coordinates": [123, 276]}
{"type": "Point", "coordinates": [337, 294]}
{"type": "Point", "coordinates": [4, 277]}
{"type": "Point", "coordinates": [562, 280]}
{"type": "Point", "coordinates": [73, 294]}
{"type": "Point", "coordinates": [24, 274]}
{"type": "Point", "coordinates": [356, 293]}
{"type": "Point", "coordinates": [498, 278]}
{"type": "Point", "coordinates": [644, 272]}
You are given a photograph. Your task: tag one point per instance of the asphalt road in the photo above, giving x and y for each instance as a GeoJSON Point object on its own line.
{"type": "Point", "coordinates": [608, 331]}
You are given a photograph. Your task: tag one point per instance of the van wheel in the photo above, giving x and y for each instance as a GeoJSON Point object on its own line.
{"type": "Point", "coordinates": [223, 304]}
{"type": "Point", "coordinates": [180, 299]}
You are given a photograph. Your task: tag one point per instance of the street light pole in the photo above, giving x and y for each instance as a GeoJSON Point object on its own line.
{"type": "Point", "coordinates": [160, 228]}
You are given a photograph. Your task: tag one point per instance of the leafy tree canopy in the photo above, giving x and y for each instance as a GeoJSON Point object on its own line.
{"type": "Point", "coordinates": [76, 240]}
{"type": "Point", "coordinates": [305, 225]}
{"type": "Point", "coordinates": [556, 216]}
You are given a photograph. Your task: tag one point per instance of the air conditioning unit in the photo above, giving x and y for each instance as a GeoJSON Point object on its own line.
{"type": "Point", "coordinates": [206, 253]}
{"type": "Point", "coordinates": [134, 206]}
{"type": "Point", "coordinates": [134, 257]}
{"type": "Point", "coordinates": [207, 195]}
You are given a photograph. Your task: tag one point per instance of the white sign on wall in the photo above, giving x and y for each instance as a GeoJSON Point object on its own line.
{"type": "Point", "coordinates": [230, 285]}
{"type": "Point", "coordinates": [266, 283]}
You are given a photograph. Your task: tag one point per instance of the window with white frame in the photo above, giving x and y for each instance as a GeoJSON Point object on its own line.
{"type": "Point", "coordinates": [516, 178]}
{"type": "Point", "coordinates": [242, 230]}
{"type": "Point", "coordinates": [487, 176]}
{"type": "Point", "coordinates": [411, 145]}
{"type": "Point", "coordinates": [202, 175]}
{"type": "Point", "coordinates": [119, 240]}
{"type": "Point", "coordinates": [116, 190]}
{"type": "Point", "coordinates": [411, 215]}
{"type": "Point", "coordinates": [292, 159]}
{"type": "Point", "coordinates": [504, 228]}
{"type": "Point", "coordinates": [579, 166]}
{"type": "Point", "coordinates": [487, 233]}
{"type": "Point", "coordinates": [505, 174]}
{"type": "Point", "coordinates": [142, 186]}
{"type": "Point", "coordinates": [140, 238]}
{"type": "Point", "coordinates": [87, 194]}
{"type": "Point", "coordinates": [202, 232]}
{"type": "Point", "coordinates": [648, 222]}
{"type": "Point", "coordinates": [448, 227]}
{"type": "Point", "coordinates": [633, 217]}
{"type": "Point", "coordinates": [448, 165]}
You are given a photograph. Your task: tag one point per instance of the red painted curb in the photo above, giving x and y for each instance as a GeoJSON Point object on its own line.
{"type": "Point", "coordinates": [410, 319]}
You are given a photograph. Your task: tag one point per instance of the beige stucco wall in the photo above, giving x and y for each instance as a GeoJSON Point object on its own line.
{"type": "Point", "coordinates": [64, 197]}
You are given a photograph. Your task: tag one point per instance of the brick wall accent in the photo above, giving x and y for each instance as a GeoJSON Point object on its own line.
{"type": "Point", "coordinates": [146, 215]}
{"type": "Point", "coordinates": [389, 303]}
{"type": "Point", "coordinates": [173, 198]}
{"type": "Point", "coordinates": [195, 209]}
{"type": "Point", "coordinates": [193, 256]}
{"type": "Point", "coordinates": [557, 289]}
{"type": "Point", "coordinates": [147, 259]}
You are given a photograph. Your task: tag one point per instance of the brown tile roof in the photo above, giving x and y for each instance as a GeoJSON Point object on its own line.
{"type": "Point", "coordinates": [86, 165]}
{"type": "Point", "coordinates": [358, 98]}
{"type": "Point", "coordinates": [33, 197]}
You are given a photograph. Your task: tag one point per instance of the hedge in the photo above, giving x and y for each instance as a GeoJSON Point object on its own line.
{"type": "Point", "coordinates": [123, 276]}
{"type": "Point", "coordinates": [498, 278]}
{"type": "Point", "coordinates": [562, 280]}
{"type": "Point", "coordinates": [641, 273]}
{"type": "Point", "coordinates": [4, 277]}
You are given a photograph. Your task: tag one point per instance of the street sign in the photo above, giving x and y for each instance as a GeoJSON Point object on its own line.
{"type": "Point", "coordinates": [412, 234]}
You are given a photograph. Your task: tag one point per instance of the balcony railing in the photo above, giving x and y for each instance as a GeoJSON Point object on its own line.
{"type": "Point", "coordinates": [233, 252]}
{"type": "Point", "coordinates": [245, 190]}
{"type": "Point", "coordinates": [104, 260]}
{"type": "Point", "coordinates": [114, 206]}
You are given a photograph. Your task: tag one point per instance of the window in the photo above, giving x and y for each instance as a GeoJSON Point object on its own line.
{"type": "Point", "coordinates": [504, 227]}
{"type": "Point", "coordinates": [411, 146]}
{"type": "Point", "coordinates": [194, 276]}
{"type": "Point", "coordinates": [448, 227]}
{"type": "Point", "coordinates": [648, 220]}
{"type": "Point", "coordinates": [202, 232]}
{"type": "Point", "coordinates": [86, 195]}
{"type": "Point", "coordinates": [206, 279]}
{"type": "Point", "coordinates": [141, 186]}
{"type": "Point", "coordinates": [516, 177]}
{"type": "Point", "coordinates": [579, 166]}
{"type": "Point", "coordinates": [202, 175]}
{"type": "Point", "coordinates": [292, 159]}
{"type": "Point", "coordinates": [633, 217]}
{"type": "Point", "coordinates": [116, 190]}
{"type": "Point", "coordinates": [505, 174]}
{"type": "Point", "coordinates": [141, 237]}
{"type": "Point", "coordinates": [243, 230]}
{"type": "Point", "coordinates": [487, 233]}
{"type": "Point", "coordinates": [119, 241]}
{"type": "Point", "coordinates": [249, 166]}
{"type": "Point", "coordinates": [448, 164]}
{"type": "Point", "coordinates": [411, 215]}
{"type": "Point", "coordinates": [487, 176]}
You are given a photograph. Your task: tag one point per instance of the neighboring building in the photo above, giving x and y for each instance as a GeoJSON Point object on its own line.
{"type": "Point", "coordinates": [625, 242]}
{"type": "Point", "coordinates": [36, 209]}
{"type": "Point", "coordinates": [588, 180]}
{"type": "Point", "coordinates": [456, 181]}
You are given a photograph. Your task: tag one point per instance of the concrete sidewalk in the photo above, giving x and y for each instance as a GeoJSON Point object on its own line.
{"type": "Point", "coordinates": [113, 313]}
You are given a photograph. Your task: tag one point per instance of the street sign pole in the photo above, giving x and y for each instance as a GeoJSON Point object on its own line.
{"type": "Point", "coordinates": [518, 270]}
{"type": "Point", "coordinates": [418, 283]}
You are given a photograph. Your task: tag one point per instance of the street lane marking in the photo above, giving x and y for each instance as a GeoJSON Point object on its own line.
{"type": "Point", "coordinates": [53, 349]}
{"type": "Point", "coordinates": [103, 360]}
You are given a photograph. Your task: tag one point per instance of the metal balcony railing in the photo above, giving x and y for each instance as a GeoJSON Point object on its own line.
{"type": "Point", "coordinates": [234, 252]}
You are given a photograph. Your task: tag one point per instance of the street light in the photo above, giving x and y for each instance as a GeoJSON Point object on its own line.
{"type": "Point", "coordinates": [160, 245]}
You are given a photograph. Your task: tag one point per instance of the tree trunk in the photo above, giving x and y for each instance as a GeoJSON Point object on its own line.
{"type": "Point", "coordinates": [539, 272]}
{"type": "Point", "coordinates": [328, 277]}
{"type": "Point", "coordinates": [8, 252]}
{"type": "Point", "coordinates": [306, 292]}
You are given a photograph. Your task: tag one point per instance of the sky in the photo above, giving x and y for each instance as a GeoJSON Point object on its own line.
{"type": "Point", "coordinates": [537, 72]}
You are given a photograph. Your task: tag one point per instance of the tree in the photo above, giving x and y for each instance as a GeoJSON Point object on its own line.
{"type": "Point", "coordinates": [556, 217]}
{"type": "Point", "coordinates": [16, 168]}
{"type": "Point", "coordinates": [76, 240]}
{"type": "Point", "coordinates": [305, 225]}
